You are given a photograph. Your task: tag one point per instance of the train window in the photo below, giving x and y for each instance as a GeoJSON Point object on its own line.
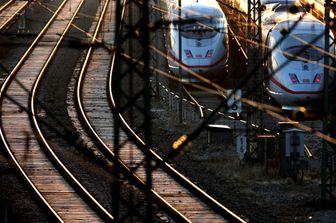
{"type": "Point", "coordinates": [298, 47]}
{"type": "Point", "coordinates": [201, 29]}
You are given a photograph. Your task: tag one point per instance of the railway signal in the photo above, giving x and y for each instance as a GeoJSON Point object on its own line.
{"type": "Point", "coordinates": [234, 104]}
{"type": "Point", "coordinates": [241, 146]}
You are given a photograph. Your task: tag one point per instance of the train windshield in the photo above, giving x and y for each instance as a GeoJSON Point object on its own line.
{"type": "Point", "coordinates": [298, 47]}
{"type": "Point", "coordinates": [286, 8]}
{"type": "Point", "coordinates": [285, 2]}
{"type": "Point", "coordinates": [201, 28]}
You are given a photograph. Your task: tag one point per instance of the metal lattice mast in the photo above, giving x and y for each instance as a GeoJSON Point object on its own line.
{"type": "Point", "coordinates": [328, 167]}
{"type": "Point", "coordinates": [254, 35]}
{"type": "Point", "coordinates": [132, 93]}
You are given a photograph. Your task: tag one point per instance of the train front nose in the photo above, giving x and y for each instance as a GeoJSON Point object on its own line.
{"type": "Point", "coordinates": [199, 66]}
{"type": "Point", "coordinates": [205, 60]}
{"type": "Point", "coordinates": [304, 94]}
{"type": "Point", "coordinates": [301, 83]}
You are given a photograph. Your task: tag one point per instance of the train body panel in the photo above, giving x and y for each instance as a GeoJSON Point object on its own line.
{"type": "Point", "coordinates": [204, 39]}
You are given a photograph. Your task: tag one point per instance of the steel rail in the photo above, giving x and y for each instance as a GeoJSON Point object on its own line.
{"type": "Point", "coordinates": [105, 149]}
{"type": "Point", "coordinates": [5, 5]}
{"type": "Point", "coordinates": [14, 14]}
{"type": "Point", "coordinates": [3, 89]}
{"type": "Point", "coordinates": [199, 107]}
{"type": "Point", "coordinates": [87, 196]}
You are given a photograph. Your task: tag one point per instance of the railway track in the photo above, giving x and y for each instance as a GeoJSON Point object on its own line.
{"type": "Point", "coordinates": [64, 198]}
{"type": "Point", "coordinates": [93, 104]}
{"type": "Point", "coordinates": [10, 10]}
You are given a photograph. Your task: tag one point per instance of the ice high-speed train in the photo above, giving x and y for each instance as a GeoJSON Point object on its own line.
{"type": "Point", "coordinates": [295, 64]}
{"type": "Point", "coordinates": [204, 39]}
{"type": "Point", "coordinates": [295, 55]}
{"type": "Point", "coordinates": [298, 84]}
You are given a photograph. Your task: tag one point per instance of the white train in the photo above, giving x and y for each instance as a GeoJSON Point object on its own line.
{"type": "Point", "coordinates": [204, 39]}
{"type": "Point", "coordinates": [295, 59]}
{"type": "Point", "coordinates": [296, 65]}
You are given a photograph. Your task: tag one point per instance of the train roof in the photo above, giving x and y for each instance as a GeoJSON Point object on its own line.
{"type": "Point", "coordinates": [301, 26]}
{"type": "Point", "coordinates": [200, 8]}
{"type": "Point", "coordinates": [305, 26]}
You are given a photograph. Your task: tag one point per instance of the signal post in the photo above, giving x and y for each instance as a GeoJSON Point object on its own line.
{"type": "Point", "coordinates": [254, 90]}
